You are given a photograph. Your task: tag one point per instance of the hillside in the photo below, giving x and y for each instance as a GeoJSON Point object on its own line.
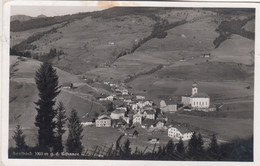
{"type": "Point", "coordinates": [156, 52]}
{"type": "Point", "coordinates": [23, 93]}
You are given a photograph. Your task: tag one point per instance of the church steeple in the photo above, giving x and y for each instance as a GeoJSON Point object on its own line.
{"type": "Point", "coordinates": [194, 88]}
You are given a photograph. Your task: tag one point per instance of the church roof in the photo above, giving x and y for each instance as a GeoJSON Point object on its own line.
{"type": "Point", "coordinates": [200, 95]}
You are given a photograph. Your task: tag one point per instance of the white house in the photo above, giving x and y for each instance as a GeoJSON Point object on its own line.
{"type": "Point", "coordinates": [179, 132]}
{"type": "Point", "coordinates": [110, 98]}
{"type": "Point", "coordinates": [103, 121]}
{"type": "Point", "coordinates": [196, 100]}
{"type": "Point", "coordinates": [125, 92]}
{"type": "Point", "coordinates": [137, 119]}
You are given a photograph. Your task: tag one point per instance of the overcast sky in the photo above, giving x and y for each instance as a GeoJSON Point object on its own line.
{"type": "Point", "coordinates": [50, 10]}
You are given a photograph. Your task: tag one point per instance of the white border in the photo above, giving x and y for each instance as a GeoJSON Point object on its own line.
{"type": "Point", "coordinates": [4, 65]}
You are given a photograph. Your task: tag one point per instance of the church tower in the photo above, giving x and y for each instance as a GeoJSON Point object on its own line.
{"type": "Point", "coordinates": [194, 88]}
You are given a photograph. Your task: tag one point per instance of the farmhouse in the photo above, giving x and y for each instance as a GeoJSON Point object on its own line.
{"type": "Point", "coordinates": [137, 119]}
{"type": "Point", "coordinates": [117, 114]}
{"type": "Point", "coordinates": [196, 100]}
{"type": "Point", "coordinates": [171, 107]}
{"type": "Point", "coordinates": [149, 114]}
{"type": "Point", "coordinates": [179, 132]}
{"type": "Point", "coordinates": [103, 121]}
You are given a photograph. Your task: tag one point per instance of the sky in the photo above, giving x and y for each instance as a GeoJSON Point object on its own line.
{"type": "Point", "coordinates": [50, 10]}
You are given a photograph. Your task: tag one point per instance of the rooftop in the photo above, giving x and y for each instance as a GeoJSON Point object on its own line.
{"type": "Point", "coordinates": [200, 95]}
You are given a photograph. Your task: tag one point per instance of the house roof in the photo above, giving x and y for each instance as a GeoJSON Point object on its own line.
{"type": "Point", "coordinates": [118, 111]}
{"type": "Point", "coordinates": [200, 95]}
{"type": "Point", "coordinates": [149, 122]}
{"type": "Point", "coordinates": [182, 129]}
{"type": "Point", "coordinates": [149, 111]}
{"type": "Point", "coordinates": [137, 115]}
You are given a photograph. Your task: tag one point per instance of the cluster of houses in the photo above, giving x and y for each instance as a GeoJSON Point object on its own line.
{"type": "Point", "coordinates": [138, 111]}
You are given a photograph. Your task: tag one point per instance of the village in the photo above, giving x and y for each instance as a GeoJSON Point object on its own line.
{"type": "Point", "coordinates": [135, 111]}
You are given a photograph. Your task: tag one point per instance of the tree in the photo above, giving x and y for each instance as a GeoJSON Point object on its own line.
{"type": "Point", "coordinates": [60, 123]}
{"type": "Point", "coordinates": [192, 145]}
{"type": "Point", "coordinates": [47, 83]}
{"type": "Point", "coordinates": [74, 144]}
{"type": "Point", "coordinates": [19, 139]}
{"type": "Point", "coordinates": [213, 149]}
{"type": "Point", "coordinates": [170, 147]}
{"type": "Point", "coordinates": [180, 147]}
{"type": "Point", "coordinates": [200, 144]}
{"type": "Point", "coordinates": [127, 149]}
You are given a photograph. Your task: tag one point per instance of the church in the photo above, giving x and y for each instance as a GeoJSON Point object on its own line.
{"type": "Point", "coordinates": [198, 100]}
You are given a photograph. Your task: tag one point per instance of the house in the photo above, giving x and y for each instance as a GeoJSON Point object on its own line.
{"type": "Point", "coordinates": [117, 114]}
{"type": "Point", "coordinates": [122, 108]}
{"type": "Point", "coordinates": [149, 114]}
{"type": "Point", "coordinates": [134, 107]}
{"type": "Point", "coordinates": [196, 100]}
{"type": "Point", "coordinates": [178, 132]}
{"type": "Point", "coordinates": [131, 133]}
{"type": "Point", "coordinates": [110, 98]}
{"type": "Point", "coordinates": [148, 103]}
{"type": "Point", "coordinates": [140, 97]}
{"type": "Point", "coordinates": [206, 55]}
{"type": "Point", "coordinates": [162, 117]}
{"type": "Point", "coordinates": [137, 119]}
{"type": "Point", "coordinates": [119, 122]}
{"type": "Point", "coordinates": [159, 124]}
{"type": "Point", "coordinates": [154, 140]}
{"type": "Point", "coordinates": [169, 107]}
{"type": "Point", "coordinates": [125, 92]}
{"type": "Point", "coordinates": [126, 119]}
{"type": "Point", "coordinates": [87, 121]}
{"type": "Point", "coordinates": [67, 85]}
{"type": "Point", "coordinates": [103, 121]}
{"type": "Point", "coordinates": [149, 123]}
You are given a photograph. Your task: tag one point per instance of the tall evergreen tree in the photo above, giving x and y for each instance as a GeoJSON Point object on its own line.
{"type": "Point", "coordinates": [19, 139]}
{"type": "Point", "coordinates": [192, 145]}
{"type": "Point", "coordinates": [46, 80]}
{"type": "Point", "coordinates": [74, 144]}
{"type": "Point", "coordinates": [180, 147]}
{"type": "Point", "coordinates": [127, 149]}
{"type": "Point", "coordinates": [200, 143]}
{"type": "Point", "coordinates": [170, 147]}
{"type": "Point", "coordinates": [213, 149]}
{"type": "Point", "coordinates": [60, 123]}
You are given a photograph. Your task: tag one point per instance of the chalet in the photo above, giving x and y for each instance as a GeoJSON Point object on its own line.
{"type": "Point", "coordinates": [122, 109]}
{"type": "Point", "coordinates": [119, 122]}
{"type": "Point", "coordinates": [149, 114]}
{"type": "Point", "coordinates": [178, 132]}
{"type": "Point", "coordinates": [206, 55]}
{"type": "Point", "coordinates": [117, 114]}
{"type": "Point", "coordinates": [137, 119]}
{"type": "Point", "coordinates": [88, 121]}
{"type": "Point", "coordinates": [169, 107]}
{"type": "Point", "coordinates": [103, 121]}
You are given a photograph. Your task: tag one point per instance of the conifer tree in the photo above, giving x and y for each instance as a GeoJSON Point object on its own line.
{"type": "Point", "coordinates": [192, 145]}
{"type": "Point", "coordinates": [180, 147]}
{"type": "Point", "coordinates": [127, 149]}
{"type": "Point", "coordinates": [213, 149]}
{"type": "Point", "coordinates": [19, 139]}
{"type": "Point", "coordinates": [74, 144]}
{"type": "Point", "coordinates": [200, 143]}
{"type": "Point", "coordinates": [60, 123]}
{"type": "Point", "coordinates": [46, 80]}
{"type": "Point", "coordinates": [170, 147]}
